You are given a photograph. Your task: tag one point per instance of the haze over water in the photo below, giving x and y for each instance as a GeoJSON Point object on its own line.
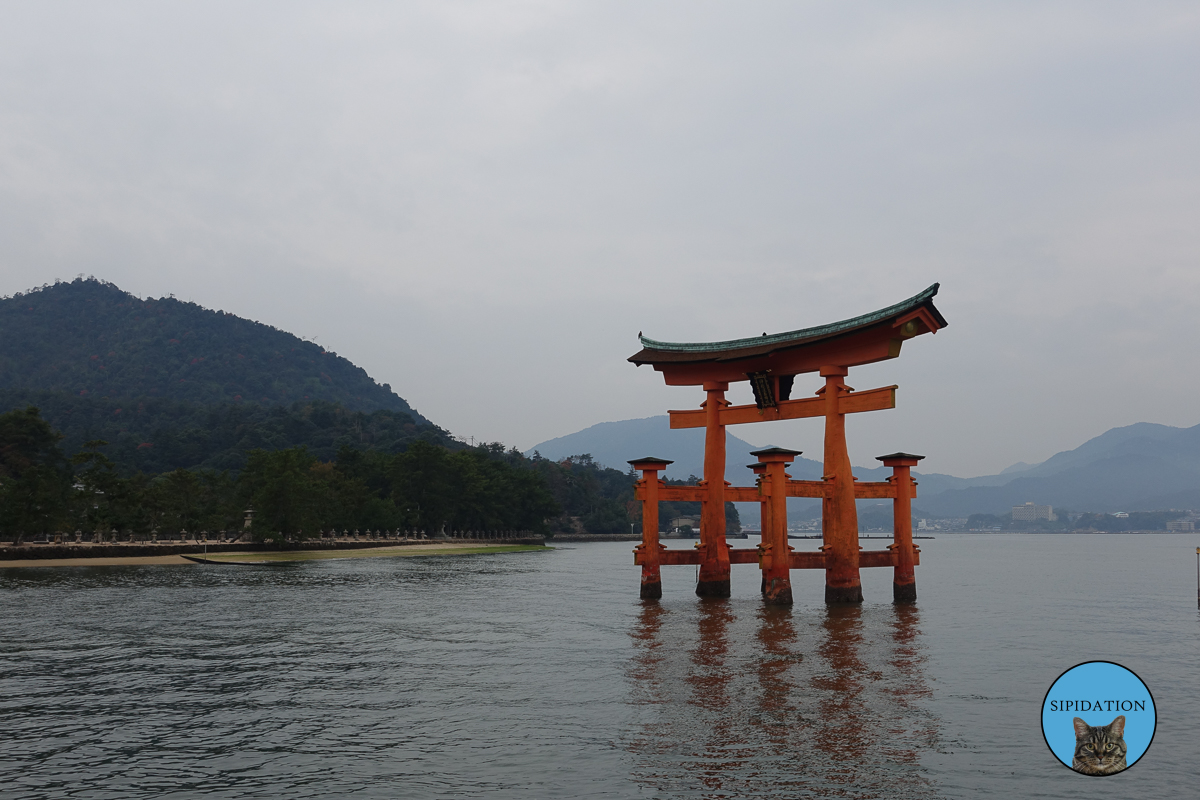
{"type": "Point", "coordinates": [542, 675]}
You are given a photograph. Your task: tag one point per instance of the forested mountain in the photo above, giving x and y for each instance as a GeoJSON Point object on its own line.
{"type": "Point", "coordinates": [88, 338]}
{"type": "Point", "coordinates": [175, 415]}
{"type": "Point", "coordinates": [158, 434]}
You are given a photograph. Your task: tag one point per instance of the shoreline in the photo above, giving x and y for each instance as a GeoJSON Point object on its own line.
{"type": "Point", "coordinates": [226, 556]}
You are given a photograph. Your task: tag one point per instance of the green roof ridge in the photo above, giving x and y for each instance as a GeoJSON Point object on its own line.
{"type": "Point", "coordinates": [803, 333]}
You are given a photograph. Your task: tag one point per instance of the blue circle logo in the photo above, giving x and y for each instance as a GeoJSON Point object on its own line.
{"type": "Point", "coordinates": [1098, 718]}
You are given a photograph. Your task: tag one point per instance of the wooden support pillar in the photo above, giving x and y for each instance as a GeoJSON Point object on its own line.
{"type": "Point", "coordinates": [649, 552]}
{"type": "Point", "coordinates": [839, 516]}
{"type": "Point", "coordinates": [904, 582]}
{"type": "Point", "coordinates": [775, 555]}
{"type": "Point", "coordinates": [764, 521]}
{"type": "Point", "coordinates": [714, 565]}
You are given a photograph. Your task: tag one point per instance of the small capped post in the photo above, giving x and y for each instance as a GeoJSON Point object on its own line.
{"type": "Point", "coordinates": [647, 554]}
{"type": "Point", "coordinates": [775, 555]}
{"type": "Point", "coordinates": [904, 581]}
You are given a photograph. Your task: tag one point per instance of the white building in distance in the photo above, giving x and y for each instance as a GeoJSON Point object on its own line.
{"type": "Point", "coordinates": [1030, 512]}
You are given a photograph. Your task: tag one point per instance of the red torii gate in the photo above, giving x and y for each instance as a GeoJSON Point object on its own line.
{"type": "Point", "coordinates": [771, 364]}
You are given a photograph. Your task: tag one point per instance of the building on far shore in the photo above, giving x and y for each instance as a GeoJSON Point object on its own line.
{"type": "Point", "coordinates": [1181, 525]}
{"type": "Point", "coordinates": [1030, 512]}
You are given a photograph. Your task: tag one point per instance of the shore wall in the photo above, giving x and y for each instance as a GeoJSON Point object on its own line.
{"type": "Point", "coordinates": [627, 537]}
{"type": "Point", "coordinates": [22, 552]}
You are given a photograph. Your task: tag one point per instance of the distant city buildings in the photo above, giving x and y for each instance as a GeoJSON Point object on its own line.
{"type": "Point", "coordinates": [1181, 525]}
{"type": "Point", "coordinates": [1030, 512]}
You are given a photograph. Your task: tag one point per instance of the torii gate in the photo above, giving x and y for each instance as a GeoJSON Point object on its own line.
{"type": "Point", "coordinates": [771, 364]}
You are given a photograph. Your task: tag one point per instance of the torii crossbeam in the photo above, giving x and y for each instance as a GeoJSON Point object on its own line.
{"type": "Point", "coordinates": [771, 364]}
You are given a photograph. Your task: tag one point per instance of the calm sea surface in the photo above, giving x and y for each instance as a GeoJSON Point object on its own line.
{"type": "Point", "coordinates": [541, 675]}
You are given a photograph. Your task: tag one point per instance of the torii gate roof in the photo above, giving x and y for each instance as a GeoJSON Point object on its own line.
{"type": "Point", "coordinates": [850, 342]}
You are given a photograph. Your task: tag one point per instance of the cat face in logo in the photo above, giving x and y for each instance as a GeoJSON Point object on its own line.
{"type": "Point", "coordinates": [1099, 750]}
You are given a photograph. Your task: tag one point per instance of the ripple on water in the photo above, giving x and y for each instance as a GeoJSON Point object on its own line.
{"type": "Point", "coordinates": [541, 675]}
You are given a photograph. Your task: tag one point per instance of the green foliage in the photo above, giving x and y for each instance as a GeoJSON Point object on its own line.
{"type": "Point", "coordinates": [427, 487]}
{"type": "Point", "coordinates": [181, 418]}
{"type": "Point", "coordinates": [1136, 521]}
{"type": "Point", "coordinates": [286, 492]}
{"type": "Point", "coordinates": [101, 498]}
{"type": "Point", "coordinates": [600, 498]}
{"type": "Point", "coordinates": [670, 511]}
{"type": "Point", "coordinates": [987, 522]}
{"type": "Point", "coordinates": [294, 493]}
{"type": "Point", "coordinates": [185, 500]}
{"type": "Point", "coordinates": [162, 435]}
{"type": "Point", "coordinates": [88, 338]}
{"type": "Point", "coordinates": [1005, 522]}
{"type": "Point", "coordinates": [34, 476]}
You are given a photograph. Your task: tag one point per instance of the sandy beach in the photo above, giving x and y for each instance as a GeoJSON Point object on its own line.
{"type": "Point", "coordinates": [432, 549]}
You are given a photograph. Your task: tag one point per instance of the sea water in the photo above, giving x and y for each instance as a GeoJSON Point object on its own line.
{"type": "Point", "coordinates": [541, 674]}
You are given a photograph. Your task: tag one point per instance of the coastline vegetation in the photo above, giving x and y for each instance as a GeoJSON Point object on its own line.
{"type": "Point", "coordinates": [427, 486]}
{"type": "Point", "coordinates": [1069, 521]}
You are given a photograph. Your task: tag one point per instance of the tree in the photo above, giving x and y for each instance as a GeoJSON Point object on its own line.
{"type": "Point", "coordinates": [189, 500]}
{"type": "Point", "coordinates": [34, 478]}
{"type": "Point", "coordinates": [421, 485]}
{"type": "Point", "coordinates": [279, 485]}
{"type": "Point", "coordinates": [101, 497]}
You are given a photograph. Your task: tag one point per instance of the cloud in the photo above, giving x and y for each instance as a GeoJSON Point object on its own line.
{"type": "Point", "coordinates": [482, 203]}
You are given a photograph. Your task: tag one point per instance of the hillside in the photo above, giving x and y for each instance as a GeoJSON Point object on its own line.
{"type": "Point", "coordinates": [1141, 467]}
{"type": "Point", "coordinates": [89, 339]}
{"type": "Point", "coordinates": [159, 435]}
{"type": "Point", "coordinates": [613, 444]}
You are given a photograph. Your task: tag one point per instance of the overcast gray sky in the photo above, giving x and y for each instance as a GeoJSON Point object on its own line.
{"type": "Point", "coordinates": [483, 203]}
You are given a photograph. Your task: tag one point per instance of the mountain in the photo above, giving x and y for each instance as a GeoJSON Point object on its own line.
{"type": "Point", "coordinates": [1140, 467]}
{"type": "Point", "coordinates": [614, 444]}
{"type": "Point", "coordinates": [160, 435]}
{"type": "Point", "coordinates": [170, 385]}
{"type": "Point", "coordinates": [90, 339]}
{"type": "Point", "coordinates": [1020, 466]}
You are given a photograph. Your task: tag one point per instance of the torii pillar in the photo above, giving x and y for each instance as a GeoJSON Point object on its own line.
{"type": "Point", "coordinates": [649, 552]}
{"type": "Point", "coordinates": [764, 519]}
{"type": "Point", "coordinates": [839, 515]}
{"type": "Point", "coordinates": [904, 582]}
{"type": "Point", "coordinates": [714, 568]}
{"type": "Point", "coordinates": [775, 555]}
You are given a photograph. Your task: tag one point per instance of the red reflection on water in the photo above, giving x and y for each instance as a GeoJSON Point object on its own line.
{"type": "Point", "coordinates": [779, 703]}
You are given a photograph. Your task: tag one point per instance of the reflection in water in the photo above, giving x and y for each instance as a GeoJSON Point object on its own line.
{"type": "Point", "coordinates": [777, 702]}
{"type": "Point", "coordinates": [776, 638]}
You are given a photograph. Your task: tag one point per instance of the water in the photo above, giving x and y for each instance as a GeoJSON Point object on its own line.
{"type": "Point", "coordinates": [537, 675]}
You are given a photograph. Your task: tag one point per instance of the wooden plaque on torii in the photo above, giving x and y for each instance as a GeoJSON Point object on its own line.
{"type": "Point", "coordinates": [770, 364]}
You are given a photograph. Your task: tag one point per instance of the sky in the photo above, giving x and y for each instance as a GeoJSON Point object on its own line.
{"type": "Point", "coordinates": [482, 204]}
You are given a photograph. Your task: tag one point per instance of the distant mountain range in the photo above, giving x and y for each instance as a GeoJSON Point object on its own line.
{"type": "Point", "coordinates": [1141, 467]}
{"type": "Point", "coordinates": [614, 444]}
